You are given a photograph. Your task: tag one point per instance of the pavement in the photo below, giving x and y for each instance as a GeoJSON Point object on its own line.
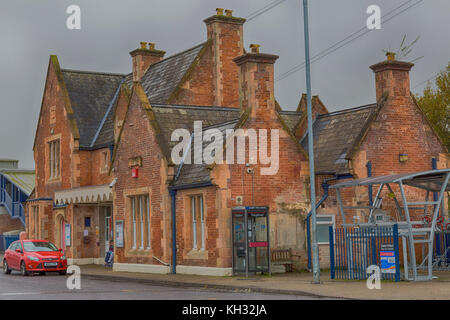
{"type": "Point", "coordinates": [293, 283]}
{"type": "Point", "coordinates": [53, 286]}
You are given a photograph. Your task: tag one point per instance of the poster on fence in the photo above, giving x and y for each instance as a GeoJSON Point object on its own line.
{"type": "Point", "coordinates": [387, 258]}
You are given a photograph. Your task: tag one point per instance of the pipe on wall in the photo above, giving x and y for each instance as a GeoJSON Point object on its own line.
{"type": "Point", "coordinates": [325, 187]}
{"type": "Point", "coordinates": [173, 194]}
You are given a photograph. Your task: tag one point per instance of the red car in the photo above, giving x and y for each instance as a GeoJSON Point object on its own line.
{"type": "Point", "coordinates": [29, 256]}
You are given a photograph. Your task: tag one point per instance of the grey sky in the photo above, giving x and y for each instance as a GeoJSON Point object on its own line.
{"type": "Point", "coordinates": [31, 30]}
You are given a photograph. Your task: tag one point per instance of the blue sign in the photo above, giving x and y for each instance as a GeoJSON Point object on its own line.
{"type": "Point", "coordinates": [387, 259]}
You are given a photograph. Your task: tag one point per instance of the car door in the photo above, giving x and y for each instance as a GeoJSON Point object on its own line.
{"type": "Point", "coordinates": [19, 255]}
{"type": "Point", "coordinates": [12, 255]}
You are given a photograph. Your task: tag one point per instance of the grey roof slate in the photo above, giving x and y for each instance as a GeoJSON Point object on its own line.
{"type": "Point", "coordinates": [291, 118]}
{"type": "Point", "coordinates": [197, 171]}
{"type": "Point", "coordinates": [334, 135]}
{"type": "Point", "coordinates": [171, 117]}
{"type": "Point", "coordinates": [161, 78]}
{"type": "Point", "coordinates": [91, 93]}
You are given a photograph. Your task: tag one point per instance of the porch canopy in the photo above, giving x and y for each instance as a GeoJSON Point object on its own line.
{"type": "Point", "coordinates": [432, 180]}
{"type": "Point", "coordinates": [89, 194]}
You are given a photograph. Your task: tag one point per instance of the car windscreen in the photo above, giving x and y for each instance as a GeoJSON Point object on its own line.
{"type": "Point", "coordinates": [36, 246]}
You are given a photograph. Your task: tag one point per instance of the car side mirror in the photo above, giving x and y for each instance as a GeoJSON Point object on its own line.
{"type": "Point", "coordinates": [60, 250]}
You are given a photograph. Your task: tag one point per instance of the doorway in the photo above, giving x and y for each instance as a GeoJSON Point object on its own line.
{"type": "Point", "coordinates": [106, 229]}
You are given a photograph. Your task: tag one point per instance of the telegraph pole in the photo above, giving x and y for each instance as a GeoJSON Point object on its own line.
{"type": "Point", "coordinates": [315, 247]}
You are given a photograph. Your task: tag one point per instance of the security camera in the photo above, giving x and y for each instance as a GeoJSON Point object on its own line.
{"type": "Point", "coordinates": [113, 183]}
{"type": "Point", "coordinates": [250, 170]}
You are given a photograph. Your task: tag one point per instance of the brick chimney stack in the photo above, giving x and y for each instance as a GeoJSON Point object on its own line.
{"type": "Point", "coordinates": [143, 57]}
{"type": "Point", "coordinates": [256, 83]}
{"type": "Point", "coordinates": [392, 76]}
{"type": "Point", "coordinates": [226, 34]}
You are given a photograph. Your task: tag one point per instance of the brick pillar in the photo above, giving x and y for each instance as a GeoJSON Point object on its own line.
{"type": "Point", "coordinates": [143, 57]}
{"type": "Point", "coordinates": [257, 83]}
{"type": "Point", "coordinates": [226, 34]}
{"type": "Point", "coordinates": [392, 76]}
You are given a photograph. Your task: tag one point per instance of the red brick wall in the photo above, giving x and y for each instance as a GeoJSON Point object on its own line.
{"type": "Point", "coordinates": [186, 255]}
{"type": "Point", "coordinates": [53, 98]}
{"type": "Point", "coordinates": [9, 224]}
{"type": "Point", "coordinates": [215, 80]}
{"type": "Point", "coordinates": [199, 89]}
{"type": "Point", "coordinates": [138, 139]}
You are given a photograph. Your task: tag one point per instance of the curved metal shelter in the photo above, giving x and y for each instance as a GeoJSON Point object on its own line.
{"type": "Point", "coordinates": [412, 232]}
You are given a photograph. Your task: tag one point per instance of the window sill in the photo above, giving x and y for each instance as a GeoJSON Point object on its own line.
{"type": "Point", "coordinates": [197, 254]}
{"type": "Point", "coordinates": [138, 251]}
{"type": "Point", "coordinates": [53, 180]}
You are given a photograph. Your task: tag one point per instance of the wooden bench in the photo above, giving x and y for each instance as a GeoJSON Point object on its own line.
{"type": "Point", "coordinates": [284, 257]}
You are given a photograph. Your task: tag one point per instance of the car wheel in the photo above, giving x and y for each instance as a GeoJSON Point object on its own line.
{"type": "Point", "coordinates": [6, 269]}
{"type": "Point", "coordinates": [23, 269]}
{"type": "Point", "coordinates": [63, 273]}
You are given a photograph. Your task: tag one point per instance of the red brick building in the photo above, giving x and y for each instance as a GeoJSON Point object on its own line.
{"type": "Point", "coordinates": [131, 119]}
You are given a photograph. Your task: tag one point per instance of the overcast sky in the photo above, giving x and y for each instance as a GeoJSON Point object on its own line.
{"type": "Point", "coordinates": [32, 30]}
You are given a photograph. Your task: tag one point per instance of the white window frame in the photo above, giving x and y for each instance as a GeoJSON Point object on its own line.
{"type": "Point", "coordinates": [147, 199]}
{"type": "Point", "coordinates": [194, 222]}
{"type": "Point", "coordinates": [54, 148]}
{"type": "Point", "coordinates": [202, 219]}
{"type": "Point", "coordinates": [198, 212]}
{"type": "Point", "coordinates": [141, 220]}
{"type": "Point", "coordinates": [332, 222]}
{"type": "Point", "coordinates": [133, 210]}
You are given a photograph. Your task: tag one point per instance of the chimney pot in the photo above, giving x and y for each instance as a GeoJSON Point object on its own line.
{"type": "Point", "coordinates": [219, 11]}
{"type": "Point", "coordinates": [254, 48]}
{"type": "Point", "coordinates": [151, 46]}
{"type": "Point", "coordinates": [229, 13]}
{"type": "Point", "coordinates": [143, 45]}
{"type": "Point", "coordinates": [390, 56]}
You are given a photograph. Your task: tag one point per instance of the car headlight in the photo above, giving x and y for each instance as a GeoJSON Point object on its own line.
{"type": "Point", "coordinates": [32, 258]}
{"type": "Point", "coordinates": [63, 257]}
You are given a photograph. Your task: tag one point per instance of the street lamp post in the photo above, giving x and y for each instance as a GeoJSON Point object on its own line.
{"type": "Point", "coordinates": [316, 268]}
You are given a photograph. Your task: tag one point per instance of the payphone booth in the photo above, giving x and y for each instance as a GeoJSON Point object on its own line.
{"type": "Point", "coordinates": [251, 249]}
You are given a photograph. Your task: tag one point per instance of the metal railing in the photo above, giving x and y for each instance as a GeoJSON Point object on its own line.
{"type": "Point", "coordinates": [15, 209]}
{"type": "Point", "coordinates": [354, 249]}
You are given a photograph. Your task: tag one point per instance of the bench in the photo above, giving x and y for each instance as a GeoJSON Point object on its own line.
{"type": "Point", "coordinates": [282, 257]}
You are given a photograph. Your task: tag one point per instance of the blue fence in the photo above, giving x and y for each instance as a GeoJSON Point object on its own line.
{"type": "Point", "coordinates": [5, 241]}
{"type": "Point", "coordinates": [353, 250]}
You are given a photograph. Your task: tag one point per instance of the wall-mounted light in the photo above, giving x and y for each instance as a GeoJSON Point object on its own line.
{"type": "Point", "coordinates": [403, 157]}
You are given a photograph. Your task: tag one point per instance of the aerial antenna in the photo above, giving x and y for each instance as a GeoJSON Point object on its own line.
{"type": "Point", "coordinates": [404, 49]}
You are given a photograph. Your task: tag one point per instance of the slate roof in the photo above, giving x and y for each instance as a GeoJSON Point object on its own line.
{"type": "Point", "coordinates": [334, 135]}
{"type": "Point", "coordinates": [221, 119]}
{"type": "Point", "coordinates": [161, 78]}
{"type": "Point", "coordinates": [91, 95]}
{"type": "Point", "coordinates": [291, 118]}
{"type": "Point", "coordinates": [171, 117]}
{"type": "Point", "coordinates": [193, 173]}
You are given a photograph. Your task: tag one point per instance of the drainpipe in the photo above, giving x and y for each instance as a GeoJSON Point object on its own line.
{"type": "Point", "coordinates": [325, 187]}
{"type": "Point", "coordinates": [173, 194]}
{"type": "Point", "coordinates": [369, 174]}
